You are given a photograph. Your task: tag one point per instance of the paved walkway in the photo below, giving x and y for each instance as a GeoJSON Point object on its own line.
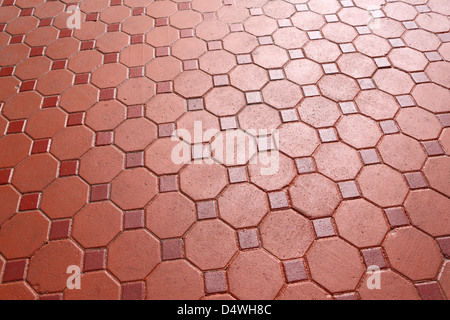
{"type": "Point", "coordinates": [340, 111]}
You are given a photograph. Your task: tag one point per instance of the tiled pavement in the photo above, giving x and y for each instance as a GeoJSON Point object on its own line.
{"type": "Point", "coordinates": [358, 90]}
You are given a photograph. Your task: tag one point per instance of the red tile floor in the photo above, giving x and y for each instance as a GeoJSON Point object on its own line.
{"type": "Point", "coordinates": [359, 90]}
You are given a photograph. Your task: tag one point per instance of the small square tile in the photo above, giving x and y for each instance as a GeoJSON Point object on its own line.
{"type": "Point", "coordinates": [366, 84]}
{"type": "Point", "coordinates": [331, 18]}
{"type": "Point", "coordinates": [5, 176]}
{"type": "Point", "coordinates": [215, 282]}
{"type": "Point", "coordinates": [195, 104]}
{"type": "Point", "coordinates": [99, 192]}
{"type": "Point", "coordinates": [433, 148]}
{"type": "Point", "coordinates": [27, 85]}
{"type": "Point", "coordinates": [137, 39]}
{"type": "Point", "coordinates": [107, 94]}
{"type": "Point", "coordinates": [68, 168]}
{"type": "Point", "coordinates": [445, 37]}
{"type": "Point", "coordinates": [253, 97]}
{"type": "Point", "coordinates": [444, 243]}
{"type": "Point", "coordinates": [166, 130]}
{"type": "Point", "coordinates": [163, 87]}
{"type": "Point", "coordinates": [265, 40]}
{"type": "Point", "coordinates": [348, 189]}
{"type": "Point", "coordinates": [420, 77]}
{"type": "Point", "coordinates": [168, 183]}
{"type": "Point", "coordinates": [433, 56]}
{"type": "Point", "coordinates": [40, 146]}
{"type": "Point", "coordinates": [206, 210]}
{"type": "Point", "coordinates": [305, 165]}
{"type": "Point", "coordinates": [347, 3]}
{"type": "Point", "coordinates": [60, 229]}
{"type": "Point", "coordinates": [214, 45]}
{"type": "Point", "coordinates": [248, 238]}
{"type": "Point", "coordinates": [111, 58]}
{"type": "Point", "coordinates": [324, 227]}
{"type": "Point", "coordinates": [29, 201]}
{"type": "Point", "coordinates": [276, 74]}
{"type": "Point", "coordinates": [310, 91]}
{"type": "Point", "coordinates": [51, 297]}
{"type": "Point", "coordinates": [14, 270]}
{"type": "Point", "coordinates": [160, 22]}
{"type": "Point", "coordinates": [133, 290]}
{"type": "Point", "coordinates": [227, 123]}
{"type": "Point", "coordinates": [374, 257]}
{"type": "Point", "coordinates": [389, 127]}
{"type": "Point", "coordinates": [445, 119]}
{"type": "Point", "coordinates": [396, 217]}
{"type": "Point", "coordinates": [162, 52]}
{"type": "Point", "coordinates": [410, 25]}
{"type": "Point", "coordinates": [296, 54]}
{"type": "Point", "coordinates": [328, 135]}
{"type": "Point", "coordinates": [314, 35]}
{"type": "Point", "coordinates": [282, 23]}
{"type": "Point", "coordinates": [237, 174]}
{"type": "Point", "coordinates": [134, 219]}
{"type": "Point", "coordinates": [377, 13]}
{"type": "Point", "coordinates": [294, 270]}
{"type": "Point", "coordinates": [301, 7]}
{"type": "Point", "coordinates": [50, 102]}
{"type": "Point", "coordinates": [200, 151]}
{"type": "Point", "coordinates": [244, 59]}
{"type": "Point", "coordinates": [382, 62]}
{"type": "Point", "coordinates": [330, 68]}
{"type": "Point", "coordinates": [348, 107]}
{"type": "Point", "coordinates": [429, 291]}
{"type": "Point", "coordinates": [57, 65]}
{"type": "Point", "coordinates": [135, 159]}
{"type": "Point", "coordinates": [345, 296]}
{"type": "Point", "coordinates": [347, 47]}
{"type": "Point", "coordinates": [190, 65]}
{"type": "Point", "coordinates": [278, 200]}
{"type": "Point", "coordinates": [423, 8]}
{"type": "Point", "coordinates": [397, 42]}
{"type": "Point", "coordinates": [236, 27]}
{"type": "Point", "coordinates": [94, 260]}
{"type": "Point", "coordinates": [75, 119]}
{"type": "Point", "coordinates": [256, 11]}
{"type": "Point", "coordinates": [265, 143]}
{"type": "Point", "coordinates": [405, 101]}
{"type": "Point", "coordinates": [16, 126]}
{"type": "Point", "coordinates": [289, 115]}
{"type": "Point", "coordinates": [369, 156]}
{"type": "Point", "coordinates": [135, 111]}
{"type": "Point", "coordinates": [186, 33]}
{"type": "Point", "coordinates": [81, 78]}
{"type": "Point", "coordinates": [171, 249]}
{"type": "Point", "coordinates": [104, 138]}
{"type": "Point", "coordinates": [416, 180]}
{"type": "Point", "coordinates": [184, 5]}
{"type": "Point", "coordinates": [221, 80]}
{"type": "Point", "coordinates": [363, 30]}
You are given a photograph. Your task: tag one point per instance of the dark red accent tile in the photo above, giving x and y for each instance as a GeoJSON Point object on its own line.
{"type": "Point", "coordinates": [81, 78]}
{"type": "Point", "coordinates": [6, 71]}
{"type": "Point", "coordinates": [190, 65]}
{"type": "Point", "coordinates": [40, 146]}
{"type": "Point", "coordinates": [116, 2]}
{"type": "Point", "coordinates": [133, 291]}
{"type": "Point", "coordinates": [172, 249]}
{"type": "Point", "coordinates": [137, 39]}
{"type": "Point", "coordinates": [15, 270]}
{"type": "Point", "coordinates": [433, 148]}
{"type": "Point", "coordinates": [396, 217]}
{"type": "Point", "coordinates": [60, 229]}
{"type": "Point", "coordinates": [27, 85]}
{"type": "Point", "coordinates": [26, 12]}
{"type": "Point", "coordinates": [51, 297]}
{"type": "Point", "coordinates": [50, 102]}
{"type": "Point", "coordinates": [113, 27]}
{"type": "Point", "coordinates": [16, 126]}
{"type": "Point", "coordinates": [430, 291]}
{"type": "Point", "coordinates": [248, 238]}
{"type": "Point", "coordinates": [75, 119]}
{"type": "Point", "coordinates": [415, 180]}
{"type": "Point", "coordinates": [164, 87]}
{"type": "Point", "coordinates": [107, 94]}
{"type": "Point", "coordinates": [87, 45]}
{"type": "Point", "coordinates": [134, 160]}
{"type": "Point", "coordinates": [444, 243]}
{"type": "Point", "coordinates": [36, 51]}
{"type": "Point", "coordinates": [374, 257]}
{"type": "Point", "coordinates": [135, 112]}
{"type": "Point", "coordinates": [5, 176]}
{"type": "Point", "coordinates": [206, 210]}
{"type": "Point", "coordinates": [92, 16]}
{"type": "Point", "coordinates": [138, 11]}
{"type": "Point", "coordinates": [66, 33]}
{"type": "Point", "coordinates": [324, 227]}
{"type": "Point", "coordinates": [445, 119]}
{"type": "Point", "coordinates": [215, 282]}
{"type": "Point", "coordinates": [111, 58]}
{"type": "Point", "coordinates": [99, 192]}
{"type": "Point", "coordinates": [57, 65]}
{"type": "Point", "coordinates": [104, 138]}
{"type": "Point", "coordinates": [133, 219]}
{"type": "Point", "coordinates": [16, 39]}
{"type": "Point", "coordinates": [168, 183]}
{"type": "Point", "coordinates": [162, 51]}
{"type": "Point", "coordinates": [295, 270]}
{"type": "Point", "coordinates": [184, 5]}
{"type": "Point", "coordinates": [136, 72]}
{"type": "Point", "coordinates": [29, 201]}
{"type": "Point", "coordinates": [186, 33]}
{"type": "Point", "coordinates": [68, 168]}
{"type": "Point", "coordinates": [94, 260]}
{"type": "Point", "coordinates": [160, 22]}
{"type": "Point", "coordinates": [166, 129]}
